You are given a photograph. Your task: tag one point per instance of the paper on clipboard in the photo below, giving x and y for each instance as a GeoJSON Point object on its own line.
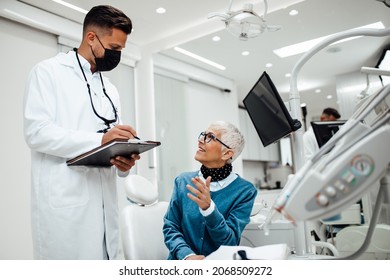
{"type": "Point", "coordinates": [100, 156]}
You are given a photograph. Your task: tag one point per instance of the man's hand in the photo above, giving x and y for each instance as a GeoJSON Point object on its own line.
{"type": "Point", "coordinates": [123, 163]}
{"type": "Point", "coordinates": [119, 131]}
{"type": "Point", "coordinates": [122, 132]}
{"type": "Point", "coordinates": [201, 194]}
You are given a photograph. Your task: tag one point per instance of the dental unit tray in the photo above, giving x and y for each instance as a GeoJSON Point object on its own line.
{"type": "Point", "coordinates": [344, 169]}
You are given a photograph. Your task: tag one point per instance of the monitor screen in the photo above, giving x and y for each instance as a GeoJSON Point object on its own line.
{"type": "Point", "coordinates": [325, 130]}
{"type": "Point", "coordinates": [267, 111]}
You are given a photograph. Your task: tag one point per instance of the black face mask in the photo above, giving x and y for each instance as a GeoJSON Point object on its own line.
{"type": "Point", "coordinates": [109, 61]}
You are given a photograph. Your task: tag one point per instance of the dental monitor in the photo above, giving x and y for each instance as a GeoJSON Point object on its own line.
{"type": "Point", "coordinates": [323, 131]}
{"type": "Point", "coordinates": [268, 112]}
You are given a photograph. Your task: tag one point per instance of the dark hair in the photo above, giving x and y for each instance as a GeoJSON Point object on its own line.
{"type": "Point", "coordinates": [331, 112]}
{"type": "Point", "coordinates": [107, 17]}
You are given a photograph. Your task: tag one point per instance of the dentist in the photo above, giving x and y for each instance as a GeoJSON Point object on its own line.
{"type": "Point", "coordinates": [70, 108]}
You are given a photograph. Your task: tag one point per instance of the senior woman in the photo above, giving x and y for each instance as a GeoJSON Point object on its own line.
{"type": "Point", "coordinates": [209, 207]}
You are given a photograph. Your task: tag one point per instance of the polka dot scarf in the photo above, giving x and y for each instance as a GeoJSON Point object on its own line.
{"type": "Point", "coordinates": [217, 174]}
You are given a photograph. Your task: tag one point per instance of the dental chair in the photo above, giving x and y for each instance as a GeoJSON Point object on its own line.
{"type": "Point", "coordinates": [142, 221]}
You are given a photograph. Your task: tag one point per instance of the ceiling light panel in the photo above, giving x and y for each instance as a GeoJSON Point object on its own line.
{"type": "Point", "coordinates": [161, 10]}
{"type": "Point", "coordinates": [307, 45]}
{"type": "Point", "coordinates": [71, 6]}
{"type": "Point", "coordinates": [200, 58]}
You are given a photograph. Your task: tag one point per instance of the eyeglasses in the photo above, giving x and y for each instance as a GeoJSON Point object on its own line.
{"type": "Point", "coordinates": [206, 137]}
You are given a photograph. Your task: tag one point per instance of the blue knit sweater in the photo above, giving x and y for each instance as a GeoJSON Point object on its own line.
{"type": "Point", "coordinates": [187, 231]}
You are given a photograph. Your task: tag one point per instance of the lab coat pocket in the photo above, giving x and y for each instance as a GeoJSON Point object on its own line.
{"type": "Point", "coordinates": [68, 186]}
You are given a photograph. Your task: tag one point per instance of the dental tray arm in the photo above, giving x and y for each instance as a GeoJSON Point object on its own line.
{"type": "Point", "coordinates": [298, 187]}
{"type": "Point", "coordinates": [342, 171]}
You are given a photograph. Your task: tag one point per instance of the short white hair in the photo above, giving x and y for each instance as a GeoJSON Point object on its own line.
{"type": "Point", "coordinates": [231, 136]}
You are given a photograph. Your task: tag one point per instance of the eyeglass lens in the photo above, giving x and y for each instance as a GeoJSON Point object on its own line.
{"type": "Point", "coordinates": [207, 137]}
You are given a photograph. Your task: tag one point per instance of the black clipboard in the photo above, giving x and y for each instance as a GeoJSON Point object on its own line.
{"type": "Point", "coordinates": [100, 156]}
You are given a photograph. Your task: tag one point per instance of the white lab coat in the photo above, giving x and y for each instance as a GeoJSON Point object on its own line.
{"type": "Point", "coordinates": [310, 145]}
{"type": "Point", "coordinates": [74, 209]}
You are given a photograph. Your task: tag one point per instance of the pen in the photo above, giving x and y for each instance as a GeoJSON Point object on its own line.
{"type": "Point", "coordinates": [135, 137]}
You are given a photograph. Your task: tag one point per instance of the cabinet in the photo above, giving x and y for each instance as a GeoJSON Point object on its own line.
{"type": "Point", "coordinates": [254, 149]}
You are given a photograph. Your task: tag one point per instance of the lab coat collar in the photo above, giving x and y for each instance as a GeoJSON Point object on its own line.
{"type": "Point", "coordinates": [69, 59]}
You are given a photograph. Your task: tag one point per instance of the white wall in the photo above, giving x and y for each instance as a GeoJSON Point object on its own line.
{"type": "Point", "coordinates": [170, 125]}
{"type": "Point", "coordinates": [21, 47]}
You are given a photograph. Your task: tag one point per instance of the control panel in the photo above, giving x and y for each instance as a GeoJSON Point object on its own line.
{"type": "Point", "coordinates": [346, 181]}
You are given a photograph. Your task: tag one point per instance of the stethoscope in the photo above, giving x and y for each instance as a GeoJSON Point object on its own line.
{"type": "Point", "coordinates": [106, 121]}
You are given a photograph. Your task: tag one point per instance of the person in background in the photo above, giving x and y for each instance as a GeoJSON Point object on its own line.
{"type": "Point", "coordinates": [70, 108]}
{"type": "Point", "coordinates": [209, 207]}
{"type": "Point", "coordinates": [310, 145]}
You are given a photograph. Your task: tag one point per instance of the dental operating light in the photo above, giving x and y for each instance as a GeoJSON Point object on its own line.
{"type": "Point", "coordinates": [245, 23]}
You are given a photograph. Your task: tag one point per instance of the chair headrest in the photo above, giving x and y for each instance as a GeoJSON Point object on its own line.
{"type": "Point", "coordinates": [140, 190]}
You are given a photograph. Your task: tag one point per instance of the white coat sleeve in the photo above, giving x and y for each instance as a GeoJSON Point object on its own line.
{"type": "Point", "coordinates": [41, 132]}
{"type": "Point", "coordinates": [310, 145]}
